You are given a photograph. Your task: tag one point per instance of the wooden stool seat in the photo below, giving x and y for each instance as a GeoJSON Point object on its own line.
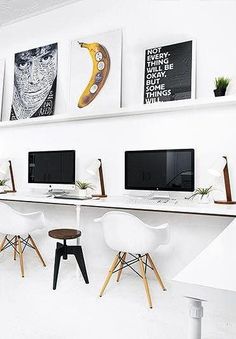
{"type": "Point", "coordinates": [63, 250]}
{"type": "Point", "coordinates": [64, 233]}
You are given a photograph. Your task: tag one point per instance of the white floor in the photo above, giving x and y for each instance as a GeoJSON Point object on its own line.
{"type": "Point", "coordinates": [30, 309]}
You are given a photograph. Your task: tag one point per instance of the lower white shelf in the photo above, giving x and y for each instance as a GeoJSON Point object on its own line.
{"type": "Point", "coordinates": [171, 106]}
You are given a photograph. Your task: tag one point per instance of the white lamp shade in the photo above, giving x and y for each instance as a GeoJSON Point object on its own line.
{"type": "Point", "coordinates": [218, 167]}
{"type": "Point", "coordinates": [93, 167]}
{"type": "Point", "coordinates": [4, 169]}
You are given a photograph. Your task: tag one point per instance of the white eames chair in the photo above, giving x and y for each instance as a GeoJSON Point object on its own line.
{"type": "Point", "coordinates": [127, 234]}
{"type": "Point", "coordinates": [16, 228]}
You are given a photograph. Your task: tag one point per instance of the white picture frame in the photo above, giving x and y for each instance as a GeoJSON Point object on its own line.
{"type": "Point", "coordinates": [82, 68]}
{"type": "Point", "coordinates": [166, 90]}
{"type": "Point", "coordinates": [35, 98]}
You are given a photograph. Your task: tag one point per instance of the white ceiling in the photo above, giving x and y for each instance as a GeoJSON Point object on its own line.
{"type": "Point", "coordinates": [15, 10]}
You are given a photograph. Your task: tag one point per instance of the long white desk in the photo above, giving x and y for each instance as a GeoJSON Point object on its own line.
{"type": "Point", "coordinates": [181, 206]}
{"type": "Point", "coordinates": [131, 203]}
{"type": "Point", "coordinates": [220, 254]}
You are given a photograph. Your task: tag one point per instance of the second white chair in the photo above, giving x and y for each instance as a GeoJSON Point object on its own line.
{"type": "Point", "coordinates": [127, 234]}
{"type": "Point", "coordinates": [17, 228]}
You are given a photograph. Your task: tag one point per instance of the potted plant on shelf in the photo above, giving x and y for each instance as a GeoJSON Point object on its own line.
{"type": "Point", "coordinates": [221, 84]}
{"type": "Point", "coordinates": [83, 186]}
{"type": "Point", "coordinates": [3, 185]}
{"type": "Point", "coordinates": [203, 194]}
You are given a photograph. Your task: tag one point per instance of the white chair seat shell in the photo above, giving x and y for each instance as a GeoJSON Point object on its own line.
{"type": "Point", "coordinates": [13, 222]}
{"type": "Point", "coordinates": [126, 233]}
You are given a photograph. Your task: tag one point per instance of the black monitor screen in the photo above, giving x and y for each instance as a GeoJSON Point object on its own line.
{"type": "Point", "coordinates": [51, 167]}
{"type": "Point", "coordinates": [165, 170]}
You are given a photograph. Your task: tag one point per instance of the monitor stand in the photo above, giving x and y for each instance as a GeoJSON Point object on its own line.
{"type": "Point", "coordinates": [159, 196]}
{"type": "Point", "coordinates": [55, 192]}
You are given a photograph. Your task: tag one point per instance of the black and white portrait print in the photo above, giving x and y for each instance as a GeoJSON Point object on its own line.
{"type": "Point", "coordinates": [35, 76]}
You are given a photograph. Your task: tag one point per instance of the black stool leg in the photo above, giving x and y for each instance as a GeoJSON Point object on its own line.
{"type": "Point", "coordinates": [65, 256]}
{"type": "Point", "coordinates": [78, 253]}
{"type": "Point", "coordinates": [58, 253]}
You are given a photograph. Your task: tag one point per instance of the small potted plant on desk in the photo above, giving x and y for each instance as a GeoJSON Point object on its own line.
{"type": "Point", "coordinates": [3, 185]}
{"type": "Point", "coordinates": [221, 84]}
{"type": "Point", "coordinates": [203, 194]}
{"type": "Point", "coordinates": [83, 186]}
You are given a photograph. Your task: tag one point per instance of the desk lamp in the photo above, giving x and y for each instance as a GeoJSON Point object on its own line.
{"type": "Point", "coordinates": [5, 168]}
{"type": "Point", "coordinates": [216, 170]}
{"type": "Point", "coordinates": [94, 167]}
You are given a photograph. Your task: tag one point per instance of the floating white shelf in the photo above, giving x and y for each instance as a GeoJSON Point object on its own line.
{"type": "Point", "coordinates": [160, 107]}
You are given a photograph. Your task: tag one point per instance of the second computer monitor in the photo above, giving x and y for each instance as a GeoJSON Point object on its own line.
{"type": "Point", "coordinates": [164, 170]}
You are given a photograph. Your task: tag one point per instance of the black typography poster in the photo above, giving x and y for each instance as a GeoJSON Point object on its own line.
{"type": "Point", "coordinates": [168, 73]}
{"type": "Point", "coordinates": [35, 76]}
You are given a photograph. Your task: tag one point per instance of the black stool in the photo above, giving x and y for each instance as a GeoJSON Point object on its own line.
{"type": "Point", "coordinates": [63, 251]}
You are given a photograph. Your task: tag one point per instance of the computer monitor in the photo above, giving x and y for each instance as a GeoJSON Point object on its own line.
{"type": "Point", "coordinates": [54, 169]}
{"type": "Point", "coordinates": [164, 170]}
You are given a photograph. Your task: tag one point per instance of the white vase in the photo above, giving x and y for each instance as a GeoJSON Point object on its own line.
{"type": "Point", "coordinates": [2, 189]}
{"type": "Point", "coordinates": [204, 199]}
{"type": "Point", "coordinates": [83, 193]}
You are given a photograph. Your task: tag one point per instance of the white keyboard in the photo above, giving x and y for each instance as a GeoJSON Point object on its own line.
{"type": "Point", "coordinates": [70, 196]}
{"type": "Point", "coordinates": [133, 200]}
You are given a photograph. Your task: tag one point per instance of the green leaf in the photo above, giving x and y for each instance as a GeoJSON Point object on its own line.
{"type": "Point", "coordinates": [3, 182]}
{"type": "Point", "coordinates": [202, 191]}
{"type": "Point", "coordinates": [84, 185]}
{"type": "Point", "coordinates": [222, 82]}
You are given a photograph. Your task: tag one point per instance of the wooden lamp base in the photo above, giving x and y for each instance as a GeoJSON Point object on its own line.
{"type": "Point", "coordinates": [99, 196]}
{"type": "Point", "coordinates": [103, 193]}
{"type": "Point", "coordinates": [13, 190]}
{"type": "Point", "coordinates": [228, 200]}
{"type": "Point", "coordinates": [224, 202]}
{"type": "Point", "coordinates": [95, 166]}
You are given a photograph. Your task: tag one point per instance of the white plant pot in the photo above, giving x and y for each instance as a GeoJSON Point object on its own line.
{"type": "Point", "coordinates": [83, 193]}
{"type": "Point", "coordinates": [204, 199]}
{"type": "Point", "coordinates": [2, 189]}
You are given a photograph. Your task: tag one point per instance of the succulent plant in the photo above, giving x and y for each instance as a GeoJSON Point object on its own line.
{"type": "Point", "coordinates": [3, 182]}
{"type": "Point", "coordinates": [83, 185]}
{"type": "Point", "coordinates": [201, 191]}
{"type": "Point", "coordinates": [221, 82]}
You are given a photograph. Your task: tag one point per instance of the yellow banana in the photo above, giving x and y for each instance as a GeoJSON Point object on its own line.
{"type": "Point", "coordinates": [101, 68]}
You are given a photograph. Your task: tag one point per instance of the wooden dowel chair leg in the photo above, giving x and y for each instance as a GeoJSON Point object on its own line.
{"type": "Point", "coordinates": [115, 261]}
{"type": "Point", "coordinates": [21, 257]}
{"type": "Point", "coordinates": [121, 267]}
{"type": "Point", "coordinates": [15, 247]}
{"type": "Point", "coordinates": [37, 251]}
{"type": "Point", "coordinates": [3, 243]}
{"type": "Point", "coordinates": [156, 272]}
{"type": "Point", "coordinates": [142, 271]}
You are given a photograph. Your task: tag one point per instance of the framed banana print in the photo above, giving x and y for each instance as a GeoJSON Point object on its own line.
{"type": "Point", "coordinates": [95, 73]}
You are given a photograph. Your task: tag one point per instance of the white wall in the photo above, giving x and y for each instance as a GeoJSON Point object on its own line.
{"type": "Point", "coordinates": [211, 132]}
{"type": "Point", "coordinates": [144, 24]}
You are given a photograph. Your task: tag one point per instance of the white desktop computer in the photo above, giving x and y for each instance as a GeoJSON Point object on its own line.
{"type": "Point", "coordinates": [157, 173]}
{"type": "Point", "coordinates": [53, 171]}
